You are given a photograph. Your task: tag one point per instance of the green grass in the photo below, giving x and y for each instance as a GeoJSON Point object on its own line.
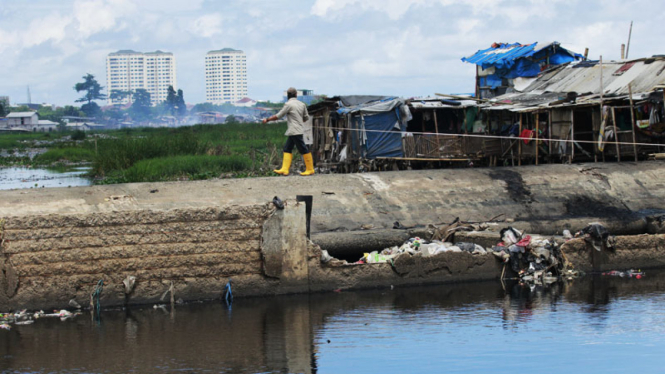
{"type": "Point", "coordinates": [165, 154]}
{"type": "Point", "coordinates": [21, 140]}
{"type": "Point", "coordinates": [188, 167]}
{"type": "Point", "coordinates": [253, 147]}
{"type": "Point", "coordinates": [69, 154]}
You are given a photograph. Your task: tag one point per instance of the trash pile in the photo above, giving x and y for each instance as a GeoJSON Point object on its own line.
{"type": "Point", "coordinates": [420, 246]}
{"type": "Point", "coordinates": [25, 318]}
{"type": "Point", "coordinates": [534, 259]}
{"type": "Point", "coordinates": [598, 236]}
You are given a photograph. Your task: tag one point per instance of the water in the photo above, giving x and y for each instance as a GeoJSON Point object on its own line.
{"type": "Point", "coordinates": [11, 178]}
{"type": "Point", "coordinates": [608, 325]}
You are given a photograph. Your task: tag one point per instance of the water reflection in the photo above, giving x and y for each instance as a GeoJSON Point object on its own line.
{"type": "Point", "coordinates": [595, 322]}
{"type": "Point", "coordinates": [19, 178]}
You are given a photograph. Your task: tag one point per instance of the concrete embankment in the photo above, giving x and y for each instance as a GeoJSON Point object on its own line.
{"type": "Point", "coordinates": [57, 243]}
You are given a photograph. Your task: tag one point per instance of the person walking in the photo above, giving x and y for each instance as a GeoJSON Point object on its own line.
{"type": "Point", "coordinates": [296, 116]}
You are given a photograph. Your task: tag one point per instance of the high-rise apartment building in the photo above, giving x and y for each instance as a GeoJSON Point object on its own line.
{"type": "Point", "coordinates": [127, 70]}
{"type": "Point", "coordinates": [226, 76]}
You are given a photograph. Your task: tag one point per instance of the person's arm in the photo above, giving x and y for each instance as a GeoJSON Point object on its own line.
{"type": "Point", "coordinates": [282, 113]}
{"type": "Point", "coordinates": [272, 118]}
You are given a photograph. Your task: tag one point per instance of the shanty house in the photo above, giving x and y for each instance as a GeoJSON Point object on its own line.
{"type": "Point", "coordinates": [504, 66]}
{"type": "Point", "coordinates": [585, 111]}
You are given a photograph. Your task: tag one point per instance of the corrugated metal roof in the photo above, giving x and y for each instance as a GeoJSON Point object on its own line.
{"type": "Point", "coordinates": [643, 75]}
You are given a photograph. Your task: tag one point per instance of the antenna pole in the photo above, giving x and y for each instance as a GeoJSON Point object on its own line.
{"type": "Point", "coordinates": [630, 33]}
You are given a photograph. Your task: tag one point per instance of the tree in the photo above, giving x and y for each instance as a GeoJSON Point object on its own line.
{"type": "Point", "coordinates": [180, 104]}
{"type": "Point", "coordinates": [141, 108]}
{"type": "Point", "coordinates": [118, 96]}
{"type": "Point", "coordinates": [171, 101]}
{"type": "Point", "coordinates": [231, 119]}
{"type": "Point", "coordinates": [3, 111]}
{"type": "Point", "coordinates": [91, 109]}
{"type": "Point", "coordinates": [93, 91]}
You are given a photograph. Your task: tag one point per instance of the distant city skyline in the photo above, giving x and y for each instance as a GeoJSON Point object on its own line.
{"type": "Point", "coordinates": [226, 76]}
{"type": "Point", "coordinates": [386, 47]}
{"type": "Point", "coordinates": [128, 70]}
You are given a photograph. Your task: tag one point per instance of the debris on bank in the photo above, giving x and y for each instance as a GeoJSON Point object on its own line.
{"type": "Point", "coordinates": [531, 258]}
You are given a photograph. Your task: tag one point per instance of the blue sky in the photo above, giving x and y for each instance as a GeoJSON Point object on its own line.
{"type": "Point", "coordinates": [392, 47]}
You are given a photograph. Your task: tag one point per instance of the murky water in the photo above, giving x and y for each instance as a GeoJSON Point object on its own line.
{"type": "Point", "coordinates": [11, 178]}
{"type": "Point", "coordinates": [602, 324]}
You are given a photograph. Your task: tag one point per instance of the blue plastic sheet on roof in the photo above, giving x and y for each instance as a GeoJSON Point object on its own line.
{"type": "Point", "coordinates": [505, 55]}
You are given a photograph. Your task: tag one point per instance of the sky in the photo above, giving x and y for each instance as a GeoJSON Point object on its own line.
{"type": "Point", "coordinates": [335, 47]}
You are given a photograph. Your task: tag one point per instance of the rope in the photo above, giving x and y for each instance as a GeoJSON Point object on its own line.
{"type": "Point", "coordinates": [491, 136]}
{"type": "Point", "coordinates": [94, 296]}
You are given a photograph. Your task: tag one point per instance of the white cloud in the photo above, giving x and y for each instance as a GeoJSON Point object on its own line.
{"type": "Point", "coordinates": [208, 25]}
{"type": "Point", "coordinates": [94, 16]}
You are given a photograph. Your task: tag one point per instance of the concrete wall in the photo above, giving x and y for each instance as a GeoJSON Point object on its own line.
{"type": "Point", "coordinates": [58, 243]}
{"type": "Point", "coordinates": [48, 260]}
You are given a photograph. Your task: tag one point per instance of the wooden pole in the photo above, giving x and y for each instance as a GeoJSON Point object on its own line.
{"type": "Point", "coordinates": [616, 135]}
{"type": "Point", "coordinates": [537, 127]}
{"type": "Point", "coordinates": [436, 129]}
{"type": "Point", "coordinates": [630, 33]}
{"type": "Point", "coordinates": [632, 120]}
{"type": "Point", "coordinates": [572, 135]}
{"type": "Point", "coordinates": [550, 134]}
{"type": "Point", "coordinates": [519, 143]}
{"type": "Point", "coordinates": [602, 115]}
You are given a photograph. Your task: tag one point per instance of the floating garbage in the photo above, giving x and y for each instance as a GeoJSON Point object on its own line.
{"type": "Point", "coordinates": [23, 317]}
{"type": "Point", "coordinates": [637, 274]}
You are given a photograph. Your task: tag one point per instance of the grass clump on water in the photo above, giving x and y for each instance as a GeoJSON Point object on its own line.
{"type": "Point", "coordinates": [67, 155]}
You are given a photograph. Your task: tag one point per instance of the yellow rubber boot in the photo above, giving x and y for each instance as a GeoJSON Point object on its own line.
{"type": "Point", "coordinates": [286, 164]}
{"type": "Point", "coordinates": [309, 164]}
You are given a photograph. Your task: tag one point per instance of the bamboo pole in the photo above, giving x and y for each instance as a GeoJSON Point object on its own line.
{"type": "Point", "coordinates": [537, 128]}
{"type": "Point", "coordinates": [632, 120]}
{"type": "Point", "coordinates": [519, 145]}
{"type": "Point", "coordinates": [616, 135]}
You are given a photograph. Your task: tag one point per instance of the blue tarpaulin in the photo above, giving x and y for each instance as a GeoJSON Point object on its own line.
{"type": "Point", "coordinates": [382, 138]}
{"type": "Point", "coordinates": [517, 60]}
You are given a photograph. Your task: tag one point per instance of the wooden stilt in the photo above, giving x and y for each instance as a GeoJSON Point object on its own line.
{"type": "Point", "coordinates": [537, 128]}
{"type": "Point", "coordinates": [519, 143]}
{"type": "Point", "coordinates": [616, 134]}
{"type": "Point", "coordinates": [632, 120]}
{"type": "Point", "coordinates": [572, 135]}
